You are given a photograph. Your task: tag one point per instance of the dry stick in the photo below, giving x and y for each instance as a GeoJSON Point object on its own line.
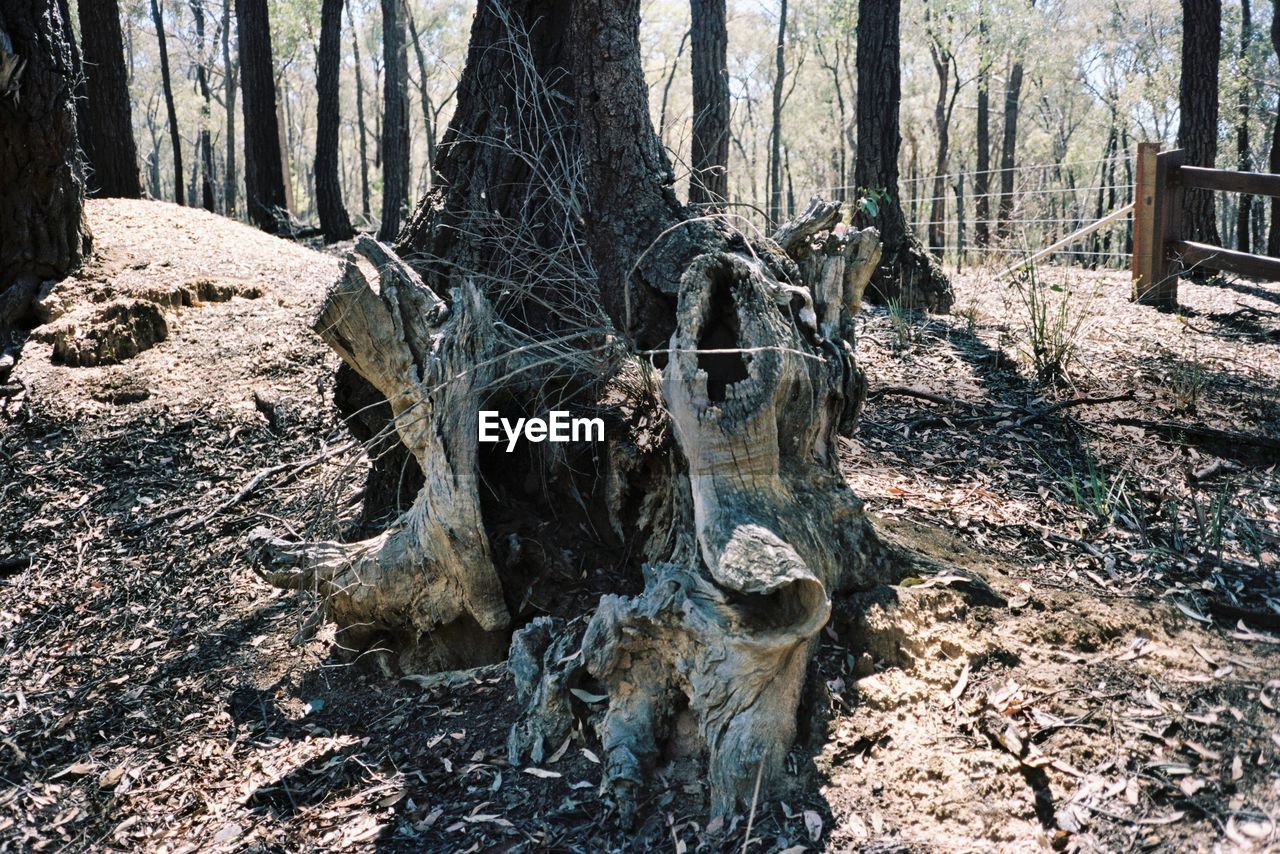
{"type": "Point", "coordinates": [755, 799]}
{"type": "Point", "coordinates": [920, 394]}
{"type": "Point", "coordinates": [1230, 437]}
{"type": "Point", "coordinates": [258, 479]}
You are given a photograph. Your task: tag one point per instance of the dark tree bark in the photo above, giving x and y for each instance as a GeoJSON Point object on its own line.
{"type": "Point", "coordinates": [229, 84]}
{"type": "Point", "coordinates": [907, 273]}
{"type": "Point", "coordinates": [175, 139]}
{"type": "Point", "coordinates": [204, 142]}
{"type": "Point", "coordinates": [775, 132]}
{"type": "Point", "coordinates": [333, 213]}
{"type": "Point", "coordinates": [395, 120]}
{"type": "Point", "coordinates": [365, 210]}
{"type": "Point", "coordinates": [1198, 110]}
{"type": "Point", "coordinates": [549, 269]}
{"type": "Point", "coordinates": [709, 180]}
{"type": "Point", "coordinates": [982, 171]}
{"type": "Point", "coordinates": [77, 72]}
{"type": "Point", "coordinates": [1244, 161]}
{"type": "Point", "coordinates": [1273, 161]}
{"type": "Point", "coordinates": [948, 76]}
{"type": "Point", "coordinates": [263, 175]}
{"type": "Point", "coordinates": [1009, 145]}
{"type": "Point", "coordinates": [43, 233]}
{"type": "Point", "coordinates": [108, 125]}
{"type": "Point", "coordinates": [424, 94]}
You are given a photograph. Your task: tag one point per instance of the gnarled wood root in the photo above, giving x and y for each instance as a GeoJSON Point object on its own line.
{"type": "Point", "coordinates": [428, 582]}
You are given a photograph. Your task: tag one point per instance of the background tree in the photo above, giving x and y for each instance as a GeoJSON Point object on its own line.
{"type": "Point", "coordinates": [42, 181]}
{"type": "Point", "coordinates": [175, 138]}
{"type": "Point", "coordinates": [333, 213]}
{"type": "Point", "coordinates": [263, 177]}
{"type": "Point", "coordinates": [1198, 109]}
{"type": "Point", "coordinates": [906, 272]}
{"type": "Point", "coordinates": [775, 132]}
{"type": "Point", "coordinates": [361, 126]}
{"type": "Point", "coordinates": [982, 134]}
{"type": "Point", "coordinates": [1244, 157]}
{"type": "Point", "coordinates": [1009, 141]}
{"type": "Point", "coordinates": [1273, 162]}
{"type": "Point", "coordinates": [204, 142]}
{"type": "Point", "coordinates": [229, 88]}
{"type": "Point", "coordinates": [108, 124]}
{"type": "Point", "coordinates": [395, 120]}
{"type": "Point", "coordinates": [709, 178]}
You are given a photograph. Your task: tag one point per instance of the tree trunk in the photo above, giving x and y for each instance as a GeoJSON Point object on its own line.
{"type": "Point", "coordinates": [424, 93]}
{"type": "Point", "coordinates": [942, 67]}
{"type": "Point", "coordinates": [1273, 161]}
{"type": "Point", "coordinates": [395, 120]}
{"type": "Point", "coordinates": [1198, 110]}
{"type": "Point", "coordinates": [263, 177]}
{"type": "Point", "coordinates": [558, 269]}
{"type": "Point", "coordinates": [333, 213]}
{"type": "Point", "coordinates": [108, 126]}
{"type": "Point", "coordinates": [365, 210]}
{"type": "Point", "coordinates": [1244, 161]}
{"type": "Point", "coordinates": [907, 273]}
{"type": "Point", "coordinates": [229, 98]}
{"type": "Point", "coordinates": [204, 142]}
{"type": "Point", "coordinates": [175, 139]}
{"type": "Point", "coordinates": [1009, 146]}
{"type": "Point", "coordinates": [775, 133]}
{"type": "Point", "coordinates": [709, 179]}
{"type": "Point", "coordinates": [982, 173]}
{"type": "Point", "coordinates": [42, 182]}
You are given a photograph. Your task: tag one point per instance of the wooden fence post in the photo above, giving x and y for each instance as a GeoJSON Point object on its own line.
{"type": "Point", "coordinates": [1144, 208]}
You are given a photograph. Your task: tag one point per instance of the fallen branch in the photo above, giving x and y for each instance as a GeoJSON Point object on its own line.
{"type": "Point", "coordinates": [256, 481]}
{"type": "Point", "coordinates": [1228, 443]}
{"type": "Point", "coordinates": [920, 394]}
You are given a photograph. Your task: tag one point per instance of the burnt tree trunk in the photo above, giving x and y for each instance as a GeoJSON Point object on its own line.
{"type": "Point", "coordinates": [230, 178]}
{"type": "Point", "coordinates": [43, 234]}
{"type": "Point", "coordinates": [1009, 146]}
{"type": "Point", "coordinates": [108, 125]}
{"type": "Point", "coordinates": [204, 142]}
{"type": "Point", "coordinates": [775, 133]}
{"type": "Point", "coordinates": [709, 179]}
{"type": "Point", "coordinates": [1273, 161]}
{"type": "Point", "coordinates": [1198, 110]}
{"type": "Point", "coordinates": [424, 93]}
{"type": "Point", "coordinates": [395, 120]}
{"type": "Point", "coordinates": [363, 138]}
{"type": "Point", "coordinates": [333, 213]}
{"type": "Point", "coordinates": [982, 171]}
{"type": "Point", "coordinates": [1244, 162]}
{"type": "Point", "coordinates": [907, 272]}
{"type": "Point", "coordinates": [175, 139]}
{"type": "Point", "coordinates": [682, 567]}
{"type": "Point", "coordinates": [263, 173]}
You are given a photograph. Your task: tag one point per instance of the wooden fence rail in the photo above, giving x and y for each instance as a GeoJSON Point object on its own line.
{"type": "Point", "coordinates": [1159, 252]}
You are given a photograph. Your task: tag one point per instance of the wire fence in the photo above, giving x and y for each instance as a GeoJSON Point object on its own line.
{"type": "Point", "coordinates": [1021, 210]}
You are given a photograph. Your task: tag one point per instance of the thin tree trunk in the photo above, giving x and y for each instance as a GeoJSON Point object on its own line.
{"type": "Point", "coordinates": [1198, 109]}
{"type": "Point", "coordinates": [1244, 161]}
{"type": "Point", "coordinates": [942, 62]}
{"type": "Point", "coordinates": [108, 141]}
{"type": "Point", "coordinates": [1273, 162]}
{"type": "Point", "coordinates": [365, 211]}
{"type": "Point", "coordinates": [204, 142]}
{"type": "Point", "coordinates": [395, 121]}
{"type": "Point", "coordinates": [424, 93]}
{"type": "Point", "coordinates": [175, 139]}
{"type": "Point", "coordinates": [1009, 146]}
{"type": "Point", "coordinates": [229, 75]}
{"type": "Point", "coordinates": [666, 88]}
{"type": "Point", "coordinates": [333, 214]}
{"type": "Point", "coordinates": [982, 174]}
{"type": "Point", "coordinates": [775, 133]}
{"type": "Point", "coordinates": [43, 233]}
{"type": "Point", "coordinates": [709, 179]}
{"type": "Point", "coordinates": [263, 177]}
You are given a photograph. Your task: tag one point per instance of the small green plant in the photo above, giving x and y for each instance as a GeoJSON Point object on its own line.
{"type": "Point", "coordinates": [1052, 327]}
{"type": "Point", "coordinates": [1186, 380]}
{"type": "Point", "coordinates": [1098, 493]}
{"type": "Point", "coordinates": [900, 325]}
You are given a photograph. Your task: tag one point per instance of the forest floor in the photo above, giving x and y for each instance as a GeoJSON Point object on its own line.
{"type": "Point", "coordinates": [1122, 692]}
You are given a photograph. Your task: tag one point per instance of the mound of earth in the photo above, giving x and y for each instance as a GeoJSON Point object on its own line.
{"type": "Point", "coordinates": [1113, 686]}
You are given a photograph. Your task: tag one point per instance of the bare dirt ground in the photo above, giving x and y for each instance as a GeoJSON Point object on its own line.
{"type": "Point", "coordinates": [1119, 692]}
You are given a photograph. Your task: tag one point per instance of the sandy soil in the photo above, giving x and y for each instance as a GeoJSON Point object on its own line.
{"type": "Point", "coordinates": [1119, 692]}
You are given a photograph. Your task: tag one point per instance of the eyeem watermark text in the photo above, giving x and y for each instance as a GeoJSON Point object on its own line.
{"type": "Point", "coordinates": [558, 426]}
